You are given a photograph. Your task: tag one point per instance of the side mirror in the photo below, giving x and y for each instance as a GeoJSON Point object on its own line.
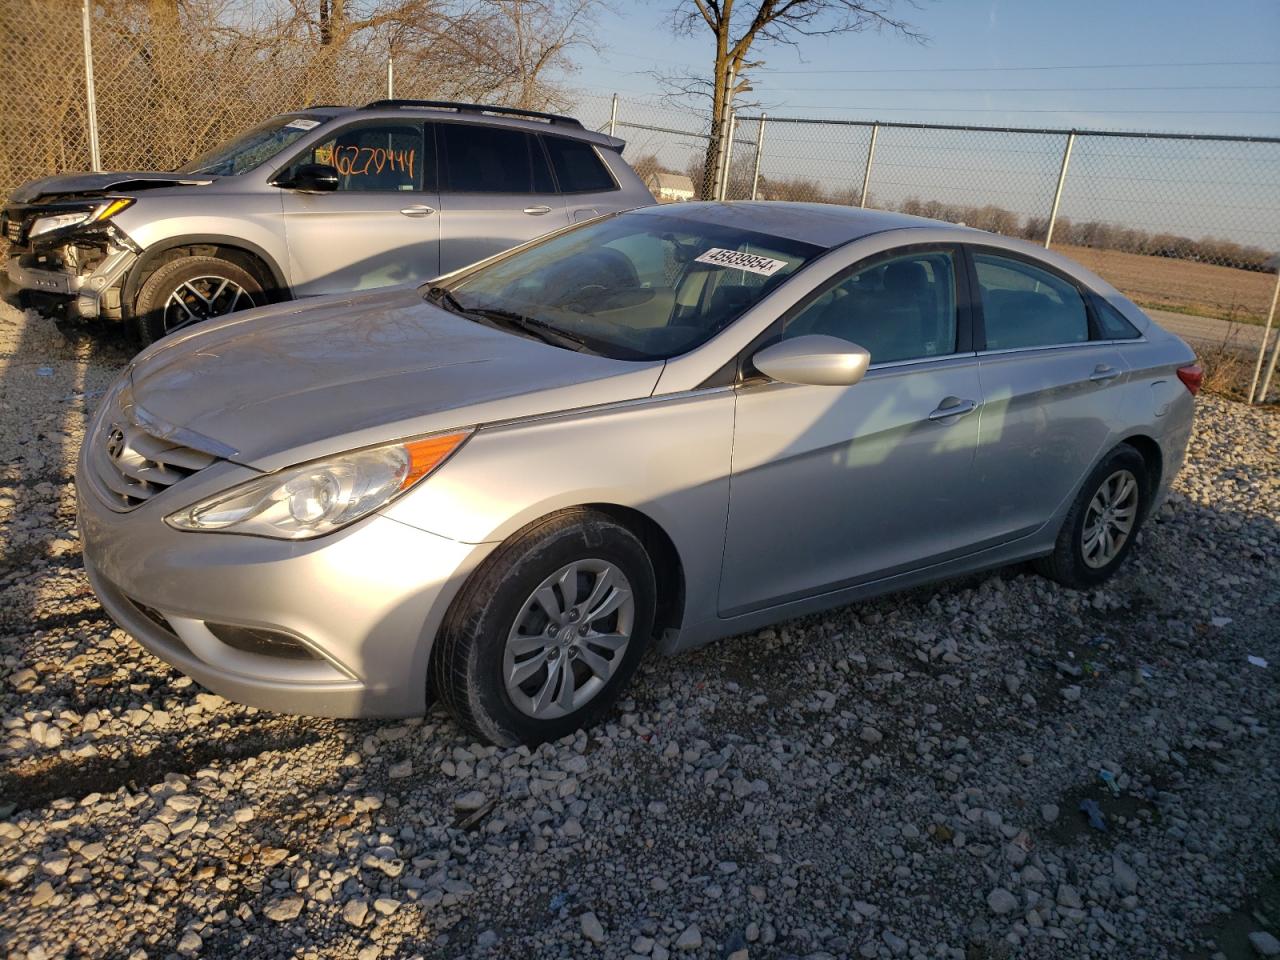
{"type": "Point", "coordinates": [312, 178]}
{"type": "Point", "coordinates": [814, 359]}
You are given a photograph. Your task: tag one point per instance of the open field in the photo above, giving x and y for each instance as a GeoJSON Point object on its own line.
{"type": "Point", "coordinates": [1181, 286]}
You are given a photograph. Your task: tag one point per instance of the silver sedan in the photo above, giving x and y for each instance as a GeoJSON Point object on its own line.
{"type": "Point", "coordinates": [656, 429]}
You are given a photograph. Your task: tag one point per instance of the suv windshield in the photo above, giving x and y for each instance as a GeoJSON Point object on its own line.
{"type": "Point", "coordinates": [255, 146]}
{"type": "Point", "coordinates": [638, 286]}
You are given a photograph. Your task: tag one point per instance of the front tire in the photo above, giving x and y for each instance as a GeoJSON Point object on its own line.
{"type": "Point", "coordinates": [547, 634]}
{"type": "Point", "coordinates": [191, 289]}
{"type": "Point", "coordinates": [1103, 522]}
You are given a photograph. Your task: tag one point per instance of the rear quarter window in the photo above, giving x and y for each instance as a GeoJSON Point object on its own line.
{"type": "Point", "coordinates": [1112, 324]}
{"type": "Point", "coordinates": [578, 167]}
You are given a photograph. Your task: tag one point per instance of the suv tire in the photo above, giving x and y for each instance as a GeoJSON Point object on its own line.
{"type": "Point", "coordinates": [514, 633]}
{"type": "Point", "coordinates": [210, 286]}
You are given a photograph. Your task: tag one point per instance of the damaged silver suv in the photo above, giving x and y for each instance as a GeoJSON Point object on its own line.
{"type": "Point", "coordinates": [325, 200]}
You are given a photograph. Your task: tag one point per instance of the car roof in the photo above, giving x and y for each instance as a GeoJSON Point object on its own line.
{"type": "Point", "coordinates": [825, 225]}
{"type": "Point", "coordinates": [530, 120]}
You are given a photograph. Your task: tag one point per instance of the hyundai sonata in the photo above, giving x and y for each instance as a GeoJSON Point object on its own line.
{"type": "Point", "coordinates": [655, 429]}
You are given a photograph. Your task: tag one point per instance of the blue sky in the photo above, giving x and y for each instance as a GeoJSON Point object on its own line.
{"type": "Point", "coordinates": [963, 75]}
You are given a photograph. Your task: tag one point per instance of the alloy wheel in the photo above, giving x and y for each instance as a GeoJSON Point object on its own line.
{"type": "Point", "coordinates": [568, 639]}
{"type": "Point", "coordinates": [1110, 519]}
{"type": "Point", "coordinates": [203, 298]}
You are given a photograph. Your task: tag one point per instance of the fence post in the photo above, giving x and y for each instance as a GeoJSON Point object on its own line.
{"type": "Point", "coordinates": [1057, 193]}
{"type": "Point", "coordinates": [755, 174]}
{"type": "Point", "coordinates": [90, 100]}
{"type": "Point", "coordinates": [728, 158]}
{"type": "Point", "coordinates": [1266, 334]}
{"type": "Point", "coordinates": [391, 76]}
{"type": "Point", "coordinates": [866, 171]}
{"type": "Point", "coordinates": [1271, 368]}
{"type": "Point", "coordinates": [613, 115]}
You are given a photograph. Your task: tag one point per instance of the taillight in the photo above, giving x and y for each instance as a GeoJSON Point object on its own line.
{"type": "Point", "coordinates": [1191, 376]}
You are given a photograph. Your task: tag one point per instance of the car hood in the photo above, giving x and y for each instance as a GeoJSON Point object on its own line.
{"type": "Point", "coordinates": [294, 382]}
{"type": "Point", "coordinates": [96, 183]}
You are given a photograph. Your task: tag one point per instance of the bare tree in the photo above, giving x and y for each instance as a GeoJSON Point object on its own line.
{"type": "Point", "coordinates": [740, 27]}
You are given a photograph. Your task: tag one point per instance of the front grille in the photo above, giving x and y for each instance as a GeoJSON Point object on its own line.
{"type": "Point", "coordinates": [13, 231]}
{"type": "Point", "coordinates": [132, 465]}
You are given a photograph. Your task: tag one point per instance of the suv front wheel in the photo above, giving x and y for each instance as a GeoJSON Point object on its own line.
{"type": "Point", "coordinates": [191, 289]}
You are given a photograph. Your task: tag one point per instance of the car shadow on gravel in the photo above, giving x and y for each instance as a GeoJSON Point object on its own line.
{"type": "Point", "coordinates": [35, 785]}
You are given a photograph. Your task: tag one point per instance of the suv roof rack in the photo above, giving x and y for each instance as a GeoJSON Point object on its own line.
{"type": "Point", "coordinates": [553, 118]}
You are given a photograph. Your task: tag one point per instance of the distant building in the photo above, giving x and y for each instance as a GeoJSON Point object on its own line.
{"type": "Point", "coordinates": [669, 187]}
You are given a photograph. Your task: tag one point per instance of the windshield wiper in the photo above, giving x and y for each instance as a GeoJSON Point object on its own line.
{"type": "Point", "coordinates": [544, 331]}
{"type": "Point", "coordinates": [443, 297]}
{"type": "Point", "coordinates": [509, 319]}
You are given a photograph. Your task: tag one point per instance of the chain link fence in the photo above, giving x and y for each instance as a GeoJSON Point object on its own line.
{"type": "Point", "coordinates": [1185, 225]}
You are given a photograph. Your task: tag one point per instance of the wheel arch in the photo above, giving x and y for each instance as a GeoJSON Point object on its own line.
{"type": "Point", "coordinates": [241, 252]}
{"type": "Point", "coordinates": [668, 568]}
{"type": "Point", "coordinates": [1152, 456]}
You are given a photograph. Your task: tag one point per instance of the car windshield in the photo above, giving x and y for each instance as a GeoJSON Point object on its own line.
{"type": "Point", "coordinates": [638, 286]}
{"type": "Point", "coordinates": [255, 146]}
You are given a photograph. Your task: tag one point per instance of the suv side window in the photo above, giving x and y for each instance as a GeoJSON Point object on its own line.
{"type": "Point", "coordinates": [901, 307]}
{"type": "Point", "coordinates": [1025, 306]}
{"type": "Point", "coordinates": [483, 159]}
{"type": "Point", "coordinates": [578, 167]}
{"type": "Point", "coordinates": [378, 157]}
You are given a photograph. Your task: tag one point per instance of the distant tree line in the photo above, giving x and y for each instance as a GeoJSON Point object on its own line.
{"type": "Point", "coordinates": [1079, 233]}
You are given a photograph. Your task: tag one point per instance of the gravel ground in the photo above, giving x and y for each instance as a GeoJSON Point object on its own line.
{"type": "Point", "coordinates": [899, 778]}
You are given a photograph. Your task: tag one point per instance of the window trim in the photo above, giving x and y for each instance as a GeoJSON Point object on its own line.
{"type": "Point", "coordinates": [430, 177]}
{"type": "Point", "coordinates": [543, 137]}
{"type": "Point", "coordinates": [1087, 295]}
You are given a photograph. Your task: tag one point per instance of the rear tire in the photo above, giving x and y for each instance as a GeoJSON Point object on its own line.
{"type": "Point", "coordinates": [191, 289]}
{"type": "Point", "coordinates": [520, 658]}
{"type": "Point", "coordinates": [1103, 522]}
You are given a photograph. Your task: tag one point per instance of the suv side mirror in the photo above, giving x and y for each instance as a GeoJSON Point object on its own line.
{"type": "Point", "coordinates": [312, 178]}
{"type": "Point", "coordinates": [814, 359]}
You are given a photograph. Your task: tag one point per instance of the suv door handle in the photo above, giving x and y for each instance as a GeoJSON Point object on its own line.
{"type": "Point", "coordinates": [418, 210]}
{"type": "Point", "coordinates": [1104, 372]}
{"type": "Point", "coordinates": [537, 211]}
{"type": "Point", "coordinates": [953, 407]}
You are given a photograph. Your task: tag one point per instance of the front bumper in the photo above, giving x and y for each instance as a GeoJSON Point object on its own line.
{"type": "Point", "coordinates": [85, 296]}
{"type": "Point", "coordinates": [367, 600]}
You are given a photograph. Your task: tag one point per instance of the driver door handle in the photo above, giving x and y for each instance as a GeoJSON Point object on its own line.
{"type": "Point", "coordinates": [953, 407]}
{"type": "Point", "coordinates": [537, 211]}
{"type": "Point", "coordinates": [1104, 372]}
{"type": "Point", "coordinates": [418, 210]}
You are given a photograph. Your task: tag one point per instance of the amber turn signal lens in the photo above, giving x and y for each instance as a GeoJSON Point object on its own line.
{"type": "Point", "coordinates": [426, 455]}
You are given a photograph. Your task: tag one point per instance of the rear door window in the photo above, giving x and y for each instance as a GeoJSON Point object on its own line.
{"type": "Point", "coordinates": [578, 167]}
{"type": "Point", "coordinates": [1025, 306]}
{"type": "Point", "coordinates": [483, 159]}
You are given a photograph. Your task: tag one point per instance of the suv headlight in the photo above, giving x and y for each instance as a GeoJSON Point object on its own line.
{"type": "Point", "coordinates": [61, 221]}
{"type": "Point", "coordinates": [316, 498]}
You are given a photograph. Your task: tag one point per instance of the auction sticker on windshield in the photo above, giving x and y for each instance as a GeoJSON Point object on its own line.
{"type": "Point", "coordinates": [719, 257]}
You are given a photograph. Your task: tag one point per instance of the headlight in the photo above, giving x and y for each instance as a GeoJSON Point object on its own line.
{"type": "Point", "coordinates": [316, 498]}
{"type": "Point", "coordinates": [98, 214]}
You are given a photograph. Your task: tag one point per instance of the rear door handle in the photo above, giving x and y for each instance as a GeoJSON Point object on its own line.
{"type": "Point", "coordinates": [418, 210]}
{"type": "Point", "coordinates": [537, 211]}
{"type": "Point", "coordinates": [953, 407]}
{"type": "Point", "coordinates": [1104, 372]}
